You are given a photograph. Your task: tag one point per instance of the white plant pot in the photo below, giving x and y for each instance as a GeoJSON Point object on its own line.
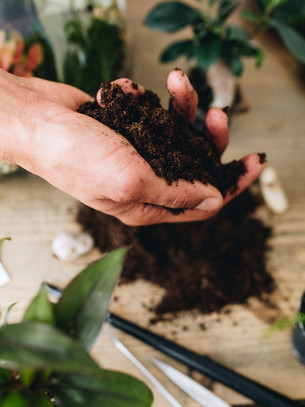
{"type": "Point", "coordinates": [223, 85]}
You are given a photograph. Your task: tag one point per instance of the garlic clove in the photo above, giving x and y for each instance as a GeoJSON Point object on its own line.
{"type": "Point", "coordinates": [272, 191]}
{"type": "Point", "coordinates": [64, 247]}
{"type": "Point", "coordinates": [84, 243]}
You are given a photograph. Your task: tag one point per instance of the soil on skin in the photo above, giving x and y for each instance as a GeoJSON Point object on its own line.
{"type": "Point", "coordinates": [173, 148]}
{"type": "Point", "coordinates": [201, 265]}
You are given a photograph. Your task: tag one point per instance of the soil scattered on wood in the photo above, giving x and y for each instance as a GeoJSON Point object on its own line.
{"type": "Point", "coordinates": [201, 265]}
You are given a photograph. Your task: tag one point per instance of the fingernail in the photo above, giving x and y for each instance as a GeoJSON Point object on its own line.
{"type": "Point", "coordinates": [209, 204]}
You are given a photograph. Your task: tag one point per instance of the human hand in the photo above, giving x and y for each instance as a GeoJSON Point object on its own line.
{"type": "Point", "coordinates": [44, 134]}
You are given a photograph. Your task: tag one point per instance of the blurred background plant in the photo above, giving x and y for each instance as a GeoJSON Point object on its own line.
{"type": "Point", "coordinates": [96, 45]}
{"type": "Point", "coordinates": [216, 47]}
{"type": "Point", "coordinates": [45, 360]}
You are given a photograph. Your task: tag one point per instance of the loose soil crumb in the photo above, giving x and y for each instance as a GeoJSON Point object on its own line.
{"type": "Point", "coordinates": [173, 148]}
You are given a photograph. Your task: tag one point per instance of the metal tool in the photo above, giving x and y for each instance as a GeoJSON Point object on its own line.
{"type": "Point", "coordinates": [122, 348]}
{"type": "Point", "coordinates": [195, 390]}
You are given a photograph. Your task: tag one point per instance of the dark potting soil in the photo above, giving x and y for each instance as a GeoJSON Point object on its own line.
{"type": "Point", "coordinates": [201, 265]}
{"type": "Point", "coordinates": [173, 148]}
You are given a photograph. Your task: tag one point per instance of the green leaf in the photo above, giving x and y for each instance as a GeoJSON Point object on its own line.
{"type": "Point", "coordinates": [226, 8]}
{"type": "Point", "coordinates": [291, 38]}
{"type": "Point", "coordinates": [177, 49]}
{"type": "Point", "coordinates": [236, 65]}
{"type": "Point", "coordinates": [108, 390]}
{"type": "Point", "coordinates": [15, 399]}
{"type": "Point", "coordinates": [250, 16]}
{"type": "Point", "coordinates": [262, 4]}
{"type": "Point", "coordinates": [23, 398]}
{"type": "Point", "coordinates": [40, 308]}
{"type": "Point", "coordinates": [208, 51]}
{"type": "Point", "coordinates": [6, 316]}
{"type": "Point", "coordinates": [236, 33]}
{"type": "Point", "coordinates": [171, 16]}
{"type": "Point", "coordinates": [290, 11]}
{"type": "Point", "coordinates": [5, 376]}
{"type": "Point", "coordinates": [35, 345]}
{"type": "Point", "coordinates": [83, 305]}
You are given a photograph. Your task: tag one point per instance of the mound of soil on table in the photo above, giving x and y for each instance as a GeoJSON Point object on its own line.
{"type": "Point", "coordinates": [201, 265]}
{"type": "Point", "coordinates": [173, 148]}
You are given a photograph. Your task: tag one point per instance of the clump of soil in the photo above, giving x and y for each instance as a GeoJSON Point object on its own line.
{"type": "Point", "coordinates": [202, 265]}
{"type": "Point", "coordinates": [173, 148]}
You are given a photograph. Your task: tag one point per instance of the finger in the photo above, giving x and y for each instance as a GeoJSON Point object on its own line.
{"type": "Point", "coordinates": [127, 86]}
{"type": "Point", "coordinates": [146, 214]}
{"type": "Point", "coordinates": [66, 95]}
{"type": "Point", "coordinates": [184, 98]}
{"type": "Point", "coordinates": [216, 123]}
{"type": "Point", "coordinates": [254, 163]}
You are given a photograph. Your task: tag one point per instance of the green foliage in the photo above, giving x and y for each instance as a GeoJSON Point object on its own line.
{"type": "Point", "coordinates": [95, 53]}
{"type": "Point", "coordinates": [283, 16]}
{"type": "Point", "coordinates": [45, 357]}
{"type": "Point", "coordinates": [213, 38]}
{"type": "Point", "coordinates": [285, 323]}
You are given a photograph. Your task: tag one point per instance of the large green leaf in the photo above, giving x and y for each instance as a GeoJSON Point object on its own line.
{"type": "Point", "coordinates": [24, 398]}
{"type": "Point", "coordinates": [290, 11]}
{"type": "Point", "coordinates": [40, 346]}
{"type": "Point", "coordinates": [40, 308]}
{"type": "Point", "coordinates": [171, 16]}
{"type": "Point", "coordinates": [236, 33]}
{"type": "Point", "coordinates": [83, 305]}
{"type": "Point", "coordinates": [291, 38]}
{"type": "Point", "coordinates": [208, 51]}
{"type": "Point", "coordinates": [108, 390]}
{"type": "Point", "coordinates": [177, 49]}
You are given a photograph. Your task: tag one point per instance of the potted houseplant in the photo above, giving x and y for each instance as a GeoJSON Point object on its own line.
{"type": "Point", "coordinates": [45, 360]}
{"type": "Point", "coordinates": [218, 46]}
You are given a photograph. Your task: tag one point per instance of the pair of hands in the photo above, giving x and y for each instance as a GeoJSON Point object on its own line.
{"type": "Point", "coordinates": [42, 132]}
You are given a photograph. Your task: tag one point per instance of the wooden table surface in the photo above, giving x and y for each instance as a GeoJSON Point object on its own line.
{"type": "Point", "coordinates": [32, 212]}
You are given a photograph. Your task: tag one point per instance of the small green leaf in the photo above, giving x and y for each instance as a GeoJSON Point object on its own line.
{"type": "Point", "coordinates": [208, 51]}
{"type": "Point", "coordinates": [236, 65]}
{"type": "Point", "coordinates": [250, 16]}
{"type": "Point", "coordinates": [108, 389]}
{"type": "Point", "coordinates": [291, 38]}
{"type": "Point", "coordinates": [290, 11]}
{"type": "Point", "coordinates": [35, 345]}
{"type": "Point", "coordinates": [15, 399]}
{"type": "Point", "coordinates": [6, 376]}
{"type": "Point", "coordinates": [226, 8]}
{"type": "Point", "coordinates": [83, 305]}
{"type": "Point", "coordinates": [6, 316]}
{"type": "Point", "coordinates": [40, 308]}
{"type": "Point", "coordinates": [171, 16]}
{"type": "Point", "coordinates": [235, 33]}
{"type": "Point", "coordinates": [262, 4]}
{"type": "Point", "coordinates": [177, 49]}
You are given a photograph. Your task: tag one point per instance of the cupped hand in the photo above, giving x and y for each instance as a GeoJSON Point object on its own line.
{"type": "Point", "coordinates": [43, 133]}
